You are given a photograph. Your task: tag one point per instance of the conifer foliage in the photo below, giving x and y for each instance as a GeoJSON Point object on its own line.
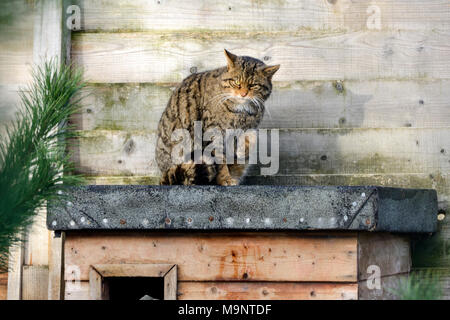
{"type": "Point", "coordinates": [33, 158]}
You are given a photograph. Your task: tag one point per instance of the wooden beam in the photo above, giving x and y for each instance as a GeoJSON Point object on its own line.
{"type": "Point", "coordinates": [56, 267]}
{"type": "Point", "coordinates": [50, 42]}
{"type": "Point", "coordinates": [16, 258]}
{"type": "Point", "coordinates": [36, 249]}
{"type": "Point", "coordinates": [311, 56]}
{"type": "Point", "coordinates": [170, 284]}
{"type": "Point", "coordinates": [318, 104]}
{"type": "Point", "coordinates": [16, 42]}
{"type": "Point", "coordinates": [248, 290]}
{"type": "Point", "coordinates": [98, 273]}
{"type": "Point", "coordinates": [49, 31]}
{"type": "Point", "coordinates": [224, 257]}
{"type": "Point", "coordinates": [386, 290]}
{"type": "Point", "coordinates": [35, 282]}
{"type": "Point", "coordinates": [262, 16]}
{"type": "Point", "coordinates": [95, 285]}
{"type": "Point", "coordinates": [266, 291]}
{"type": "Point", "coordinates": [3, 285]}
{"type": "Point", "coordinates": [390, 253]}
{"type": "Point", "coordinates": [133, 270]}
{"type": "Point", "coordinates": [301, 151]}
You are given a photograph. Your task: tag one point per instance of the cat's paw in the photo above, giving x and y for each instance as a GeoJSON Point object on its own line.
{"type": "Point", "coordinates": [230, 182]}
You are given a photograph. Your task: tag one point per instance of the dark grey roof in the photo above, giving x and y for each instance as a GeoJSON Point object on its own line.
{"type": "Point", "coordinates": [245, 208]}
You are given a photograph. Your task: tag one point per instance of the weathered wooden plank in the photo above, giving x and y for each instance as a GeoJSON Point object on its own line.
{"type": "Point", "coordinates": [49, 31]}
{"type": "Point", "coordinates": [247, 15]}
{"type": "Point", "coordinates": [230, 257]}
{"type": "Point", "coordinates": [16, 41]}
{"type": "Point", "coordinates": [316, 104]}
{"type": "Point", "coordinates": [8, 104]}
{"type": "Point", "coordinates": [35, 283]}
{"type": "Point", "coordinates": [122, 106]}
{"type": "Point", "coordinates": [56, 267]}
{"type": "Point", "coordinates": [369, 290]}
{"type": "Point", "coordinates": [170, 57]}
{"type": "Point", "coordinates": [15, 266]}
{"type": "Point", "coordinates": [3, 285]}
{"type": "Point", "coordinates": [95, 285]}
{"type": "Point", "coordinates": [246, 290]}
{"type": "Point", "coordinates": [36, 248]}
{"type": "Point", "coordinates": [390, 254]}
{"type": "Point", "coordinates": [133, 270]}
{"type": "Point", "coordinates": [302, 151]}
{"type": "Point", "coordinates": [79, 291]}
{"type": "Point", "coordinates": [48, 43]}
{"type": "Point", "coordinates": [121, 180]}
{"type": "Point", "coordinates": [440, 182]}
{"type": "Point", "coordinates": [116, 151]}
{"type": "Point", "coordinates": [171, 284]}
{"type": "Point", "coordinates": [266, 291]}
{"type": "Point", "coordinates": [283, 291]}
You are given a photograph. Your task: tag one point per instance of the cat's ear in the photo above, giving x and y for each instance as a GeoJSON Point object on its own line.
{"type": "Point", "coordinates": [231, 59]}
{"type": "Point", "coordinates": [269, 71]}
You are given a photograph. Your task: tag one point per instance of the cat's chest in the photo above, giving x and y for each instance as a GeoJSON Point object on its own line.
{"type": "Point", "coordinates": [230, 120]}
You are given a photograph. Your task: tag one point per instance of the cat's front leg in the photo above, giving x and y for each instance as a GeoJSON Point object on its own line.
{"type": "Point", "coordinates": [224, 177]}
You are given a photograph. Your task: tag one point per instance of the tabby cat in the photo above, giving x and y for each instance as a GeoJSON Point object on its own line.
{"type": "Point", "coordinates": [230, 97]}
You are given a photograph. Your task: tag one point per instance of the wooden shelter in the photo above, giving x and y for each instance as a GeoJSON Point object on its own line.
{"type": "Point", "coordinates": [246, 242]}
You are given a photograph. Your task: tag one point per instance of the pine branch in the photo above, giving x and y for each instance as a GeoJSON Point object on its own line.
{"type": "Point", "coordinates": [33, 156]}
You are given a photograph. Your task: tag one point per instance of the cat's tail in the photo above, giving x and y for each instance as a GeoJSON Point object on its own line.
{"type": "Point", "coordinates": [189, 174]}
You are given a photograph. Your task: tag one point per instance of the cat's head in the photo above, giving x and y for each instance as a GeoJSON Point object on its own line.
{"type": "Point", "coordinates": [247, 78]}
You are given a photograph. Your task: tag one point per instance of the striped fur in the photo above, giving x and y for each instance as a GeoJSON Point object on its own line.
{"type": "Point", "coordinates": [230, 97]}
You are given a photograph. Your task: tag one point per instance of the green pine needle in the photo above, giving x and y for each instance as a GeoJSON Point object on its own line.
{"type": "Point", "coordinates": [420, 285]}
{"type": "Point", "coordinates": [33, 155]}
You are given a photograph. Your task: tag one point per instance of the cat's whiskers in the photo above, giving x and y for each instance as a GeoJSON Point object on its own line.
{"type": "Point", "coordinates": [220, 99]}
{"type": "Point", "coordinates": [218, 96]}
{"type": "Point", "coordinates": [260, 103]}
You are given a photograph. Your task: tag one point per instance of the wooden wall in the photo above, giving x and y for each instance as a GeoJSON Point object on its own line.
{"type": "Point", "coordinates": [16, 56]}
{"type": "Point", "coordinates": [30, 31]}
{"type": "Point", "coordinates": [251, 265]}
{"type": "Point", "coordinates": [359, 102]}
{"type": "Point", "coordinates": [16, 53]}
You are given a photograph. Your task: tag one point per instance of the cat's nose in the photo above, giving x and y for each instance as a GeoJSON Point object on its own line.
{"type": "Point", "coordinates": [244, 93]}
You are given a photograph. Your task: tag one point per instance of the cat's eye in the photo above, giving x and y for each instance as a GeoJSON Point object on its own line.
{"type": "Point", "coordinates": [235, 83]}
